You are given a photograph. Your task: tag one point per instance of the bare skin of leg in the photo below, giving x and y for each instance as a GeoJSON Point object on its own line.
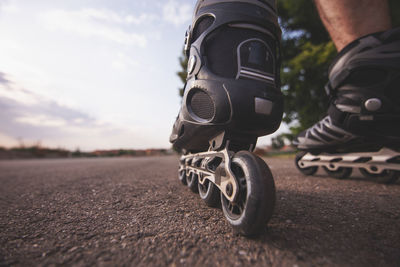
{"type": "Point", "coordinates": [347, 20]}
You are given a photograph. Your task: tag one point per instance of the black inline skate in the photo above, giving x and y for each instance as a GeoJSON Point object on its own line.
{"type": "Point", "coordinates": [362, 128]}
{"type": "Point", "coordinates": [232, 96]}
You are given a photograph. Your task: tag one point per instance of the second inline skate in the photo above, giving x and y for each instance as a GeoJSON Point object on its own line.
{"type": "Point", "coordinates": [362, 127]}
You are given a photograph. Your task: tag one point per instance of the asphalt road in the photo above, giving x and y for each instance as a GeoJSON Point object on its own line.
{"type": "Point", "coordinates": [135, 212]}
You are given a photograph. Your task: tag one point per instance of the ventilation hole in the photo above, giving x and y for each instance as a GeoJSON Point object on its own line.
{"type": "Point", "coordinates": [201, 104]}
{"type": "Point", "coordinates": [201, 26]}
{"type": "Point", "coordinates": [256, 55]}
{"type": "Point", "coordinates": [221, 47]}
{"type": "Point", "coordinates": [374, 168]}
{"type": "Point", "coordinates": [331, 132]}
{"type": "Point", "coordinates": [324, 137]}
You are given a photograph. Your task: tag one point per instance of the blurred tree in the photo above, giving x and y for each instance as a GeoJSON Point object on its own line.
{"type": "Point", "coordinates": [306, 54]}
{"type": "Point", "coordinates": [277, 142]}
{"type": "Point", "coordinates": [183, 62]}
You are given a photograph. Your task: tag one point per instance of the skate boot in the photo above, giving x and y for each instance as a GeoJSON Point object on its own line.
{"type": "Point", "coordinates": [231, 97]}
{"type": "Point", "coordinates": [362, 128]}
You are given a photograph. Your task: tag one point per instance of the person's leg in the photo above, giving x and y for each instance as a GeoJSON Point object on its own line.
{"type": "Point", "coordinates": [348, 20]}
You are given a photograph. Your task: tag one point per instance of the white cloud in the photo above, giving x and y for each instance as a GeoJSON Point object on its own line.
{"type": "Point", "coordinates": [55, 125]}
{"type": "Point", "coordinates": [90, 23]}
{"type": "Point", "coordinates": [177, 13]}
{"type": "Point", "coordinates": [8, 6]}
{"type": "Point", "coordinates": [18, 95]}
{"type": "Point", "coordinates": [123, 62]}
{"type": "Point", "coordinates": [42, 120]}
{"type": "Point", "coordinates": [107, 15]}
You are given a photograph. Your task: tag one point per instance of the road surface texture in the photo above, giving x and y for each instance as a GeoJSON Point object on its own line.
{"type": "Point", "coordinates": [134, 211]}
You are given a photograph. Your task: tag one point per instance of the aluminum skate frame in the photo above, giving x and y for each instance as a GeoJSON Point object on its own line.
{"type": "Point", "coordinates": [373, 162]}
{"type": "Point", "coordinates": [198, 164]}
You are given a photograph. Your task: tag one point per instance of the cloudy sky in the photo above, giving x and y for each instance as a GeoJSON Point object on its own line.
{"type": "Point", "coordinates": [90, 74]}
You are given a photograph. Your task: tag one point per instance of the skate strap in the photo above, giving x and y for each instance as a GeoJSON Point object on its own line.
{"type": "Point", "coordinates": [364, 51]}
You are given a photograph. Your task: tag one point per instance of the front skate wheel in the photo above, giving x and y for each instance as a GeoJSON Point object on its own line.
{"type": "Point", "coordinates": [255, 202]}
{"type": "Point", "coordinates": [340, 173]}
{"type": "Point", "coordinates": [209, 193]}
{"type": "Point", "coordinates": [303, 170]}
{"type": "Point", "coordinates": [386, 177]}
{"type": "Point", "coordinates": [191, 180]}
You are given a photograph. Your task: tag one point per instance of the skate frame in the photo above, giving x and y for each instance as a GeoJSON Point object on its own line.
{"type": "Point", "coordinates": [373, 162]}
{"type": "Point", "coordinates": [224, 179]}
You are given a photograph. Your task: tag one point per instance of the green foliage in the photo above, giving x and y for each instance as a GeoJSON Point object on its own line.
{"type": "Point", "coordinates": [183, 62]}
{"type": "Point", "coordinates": [303, 80]}
{"type": "Point", "coordinates": [277, 142]}
{"type": "Point", "coordinates": [307, 52]}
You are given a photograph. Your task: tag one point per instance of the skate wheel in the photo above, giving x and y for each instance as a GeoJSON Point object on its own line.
{"type": "Point", "coordinates": [386, 177]}
{"type": "Point", "coordinates": [182, 177]}
{"type": "Point", "coordinates": [209, 193]}
{"type": "Point", "coordinates": [340, 173]}
{"type": "Point", "coordinates": [305, 171]}
{"type": "Point", "coordinates": [253, 208]}
{"type": "Point", "coordinates": [191, 180]}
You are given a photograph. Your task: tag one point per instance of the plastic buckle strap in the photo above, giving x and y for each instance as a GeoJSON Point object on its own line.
{"type": "Point", "coordinates": [188, 37]}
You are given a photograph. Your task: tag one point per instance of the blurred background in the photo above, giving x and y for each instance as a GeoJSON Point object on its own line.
{"type": "Point", "coordinates": [97, 74]}
{"type": "Point", "coordinates": [90, 74]}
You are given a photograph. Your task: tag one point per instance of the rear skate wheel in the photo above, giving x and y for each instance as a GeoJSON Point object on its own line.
{"type": "Point", "coordinates": [340, 173]}
{"type": "Point", "coordinates": [182, 177]}
{"type": "Point", "coordinates": [209, 193]}
{"type": "Point", "coordinates": [191, 180]}
{"type": "Point", "coordinates": [255, 202]}
{"type": "Point", "coordinates": [305, 171]}
{"type": "Point", "coordinates": [385, 177]}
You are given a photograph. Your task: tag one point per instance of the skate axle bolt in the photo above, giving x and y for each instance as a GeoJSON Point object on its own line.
{"type": "Point", "coordinates": [229, 189]}
{"type": "Point", "coordinates": [373, 104]}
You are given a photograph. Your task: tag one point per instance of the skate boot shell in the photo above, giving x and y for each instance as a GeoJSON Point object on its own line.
{"type": "Point", "coordinates": [233, 83]}
{"type": "Point", "coordinates": [362, 128]}
{"type": "Point", "coordinates": [231, 97]}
